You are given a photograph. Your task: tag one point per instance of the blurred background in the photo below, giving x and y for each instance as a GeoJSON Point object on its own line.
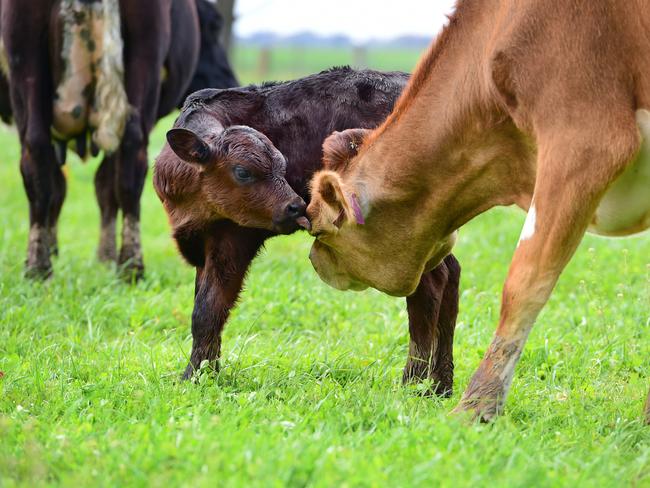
{"type": "Point", "coordinates": [285, 39]}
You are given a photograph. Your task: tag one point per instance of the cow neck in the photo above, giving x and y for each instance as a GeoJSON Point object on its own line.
{"type": "Point", "coordinates": [448, 129]}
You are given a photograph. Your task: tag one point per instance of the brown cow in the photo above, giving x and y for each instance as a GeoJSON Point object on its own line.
{"type": "Point", "coordinates": [543, 104]}
{"type": "Point", "coordinates": [227, 187]}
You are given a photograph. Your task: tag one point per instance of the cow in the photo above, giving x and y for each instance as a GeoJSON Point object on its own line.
{"type": "Point", "coordinates": [542, 104]}
{"type": "Point", "coordinates": [86, 73]}
{"type": "Point", "coordinates": [235, 173]}
{"type": "Point", "coordinates": [213, 69]}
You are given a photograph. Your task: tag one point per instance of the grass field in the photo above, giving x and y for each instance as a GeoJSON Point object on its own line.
{"type": "Point", "coordinates": [309, 393]}
{"type": "Point", "coordinates": [288, 62]}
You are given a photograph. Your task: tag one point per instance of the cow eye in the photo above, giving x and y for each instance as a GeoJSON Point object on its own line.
{"type": "Point", "coordinates": [242, 174]}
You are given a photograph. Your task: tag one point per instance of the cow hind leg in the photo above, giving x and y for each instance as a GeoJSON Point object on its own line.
{"type": "Point", "coordinates": [432, 313]}
{"type": "Point", "coordinates": [557, 219]}
{"type": "Point", "coordinates": [108, 207]}
{"type": "Point", "coordinates": [131, 173]}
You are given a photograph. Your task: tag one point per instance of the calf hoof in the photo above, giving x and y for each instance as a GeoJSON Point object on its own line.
{"type": "Point", "coordinates": [205, 366]}
{"type": "Point", "coordinates": [442, 380]}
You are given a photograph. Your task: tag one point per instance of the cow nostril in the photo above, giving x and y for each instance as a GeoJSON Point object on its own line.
{"type": "Point", "coordinates": [295, 210]}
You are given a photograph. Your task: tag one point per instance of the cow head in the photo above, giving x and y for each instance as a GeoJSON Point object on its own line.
{"type": "Point", "coordinates": [352, 214]}
{"type": "Point", "coordinates": [242, 177]}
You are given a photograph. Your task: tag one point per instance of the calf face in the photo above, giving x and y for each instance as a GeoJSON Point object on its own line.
{"type": "Point", "coordinates": [242, 177]}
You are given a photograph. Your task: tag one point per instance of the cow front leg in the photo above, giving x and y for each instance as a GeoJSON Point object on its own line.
{"type": "Point", "coordinates": [567, 192]}
{"type": "Point", "coordinates": [108, 207]}
{"type": "Point", "coordinates": [228, 254]}
{"type": "Point", "coordinates": [432, 310]}
{"type": "Point", "coordinates": [45, 188]}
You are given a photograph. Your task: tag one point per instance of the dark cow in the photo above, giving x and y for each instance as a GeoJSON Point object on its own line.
{"type": "Point", "coordinates": [213, 69]}
{"type": "Point", "coordinates": [236, 172]}
{"type": "Point", "coordinates": [97, 73]}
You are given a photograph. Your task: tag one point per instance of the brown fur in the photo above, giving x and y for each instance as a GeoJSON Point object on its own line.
{"type": "Point", "coordinates": [516, 102]}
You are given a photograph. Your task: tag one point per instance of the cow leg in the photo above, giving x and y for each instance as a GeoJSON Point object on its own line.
{"type": "Point", "coordinates": [432, 310]}
{"type": "Point", "coordinates": [108, 207]}
{"type": "Point", "coordinates": [228, 254]}
{"type": "Point", "coordinates": [145, 51]}
{"type": "Point", "coordinates": [647, 410]}
{"type": "Point", "coordinates": [58, 196]}
{"type": "Point", "coordinates": [557, 219]}
{"type": "Point", "coordinates": [31, 97]}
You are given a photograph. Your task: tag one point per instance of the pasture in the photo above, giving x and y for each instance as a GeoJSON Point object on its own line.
{"type": "Point", "coordinates": [310, 391]}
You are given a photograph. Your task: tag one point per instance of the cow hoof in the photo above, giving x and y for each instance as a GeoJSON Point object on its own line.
{"type": "Point", "coordinates": [107, 249]}
{"type": "Point", "coordinates": [483, 410]}
{"type": "Point", "coordinates": [106, 254]}
{"type": "Point", "coordinates": [53, 242]}
{"type": "Point", "coordinates": [38, 264]}
{"type": "Point", "coordinates": [38, 272]}
{"type": "Point", "coordinates": [131, 270]}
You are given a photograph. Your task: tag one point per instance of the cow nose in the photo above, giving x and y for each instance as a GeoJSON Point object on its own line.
{"type": "Point", "coordinates": [296, 209]}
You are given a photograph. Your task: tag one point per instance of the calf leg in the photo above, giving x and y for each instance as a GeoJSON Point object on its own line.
{"type": "Point", "coordinates": [432, 310]}
{"type": "Point", "coordinates": [557, 219]}
{"type": "Point", "coordinates": [229, 251]}
{"type": "Point", "coordinates": [647, 409]}
{"type": "Point", "coordinates": [108, 206]}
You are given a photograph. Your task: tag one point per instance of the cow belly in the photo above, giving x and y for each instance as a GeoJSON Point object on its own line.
{"type": "Point", "coordinates": [625, 208]}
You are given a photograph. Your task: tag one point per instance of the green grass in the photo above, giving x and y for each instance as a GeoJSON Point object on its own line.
{"type": "Point", "coordinates": [292, 62]}
{"type": "Point", "coordinates": [309, 393]}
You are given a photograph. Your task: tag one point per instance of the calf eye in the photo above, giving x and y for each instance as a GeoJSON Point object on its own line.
{"type": "Point", "coordinates": [242, 174]}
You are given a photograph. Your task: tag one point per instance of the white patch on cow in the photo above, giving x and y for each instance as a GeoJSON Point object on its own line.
{"type": "Point", "coordinates": [625, 207]}
{"type": "Point", "coordinates": [111, 107]}
{"type": "Point", "coordinates": [93, 57]}
{"type": "Point", "coordinates": [4, 61]}
{"type": "Point", "coordinates": [529, 225]}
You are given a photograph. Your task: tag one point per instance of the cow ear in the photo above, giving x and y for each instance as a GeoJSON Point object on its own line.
{"type": "Point", "coordinates": [189, 146]}
{"type": "Point", "coordinates": [342, 206]}
{"type": "Point", "coordinates": [340, 147]}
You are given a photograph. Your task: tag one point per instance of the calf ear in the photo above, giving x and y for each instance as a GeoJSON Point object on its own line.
{"type": "Point", "coordinates": [340, 147]}
{"type": "Point", "coordinates": [344, 206]}
{"type": "Point", "coordinates": [188, 146]}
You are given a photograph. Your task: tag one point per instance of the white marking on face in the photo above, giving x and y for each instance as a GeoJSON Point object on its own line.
{"type": "Point", "coordinates": [529, 225]}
